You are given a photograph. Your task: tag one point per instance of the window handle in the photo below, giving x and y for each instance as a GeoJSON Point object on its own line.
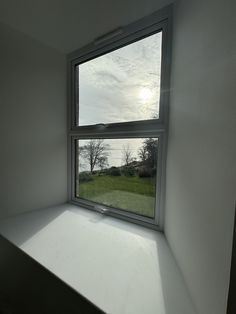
{"type": "Point", "coordinates": [101, 209]}
{"type": "Point", "coordinates": [101, 126]}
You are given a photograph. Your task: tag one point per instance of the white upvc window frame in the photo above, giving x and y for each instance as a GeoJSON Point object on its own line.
{"type": "Point", "coordinates": [158, 128]}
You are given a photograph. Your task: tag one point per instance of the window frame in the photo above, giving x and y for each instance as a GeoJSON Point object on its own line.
{"type": "Point", "coordinates": [158, 21]}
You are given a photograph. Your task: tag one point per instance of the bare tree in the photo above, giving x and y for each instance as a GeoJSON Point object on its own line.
{"type": "Point", "coordinates": [127, 154]}
{"type": "Point", "coordinates": [95, 152]}
{"type": "Point", "coordinates": [148, 152]}
{"type": "Point", "coordinates": [142, 153]}
{"type": "Point", "coordinates": [102, 162]}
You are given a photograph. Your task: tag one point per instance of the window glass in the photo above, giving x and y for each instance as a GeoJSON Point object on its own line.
{"type": "Point", "coordinates": [120, 173]}
{"type": "Point", "coordinates": [122, 85]}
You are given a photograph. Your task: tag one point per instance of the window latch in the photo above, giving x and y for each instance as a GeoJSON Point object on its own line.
{"type": "Point", "coordinates": [101, 126]}
{"type": "Point", "coordinates": [101, 209]}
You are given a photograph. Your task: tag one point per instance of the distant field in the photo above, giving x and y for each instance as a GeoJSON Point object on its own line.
{"type": "Point", "coordinates": [131, 193]}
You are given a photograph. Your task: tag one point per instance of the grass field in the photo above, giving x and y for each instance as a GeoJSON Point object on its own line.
{"type": "Point", "coordinates": [129, 193]}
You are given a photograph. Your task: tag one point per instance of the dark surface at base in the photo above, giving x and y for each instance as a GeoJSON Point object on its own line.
{"type": "Point", "coordinates": [231, 308]}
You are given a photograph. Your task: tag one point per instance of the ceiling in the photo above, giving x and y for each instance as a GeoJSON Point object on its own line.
{"type": "Point", "coordinates": [67, 25]}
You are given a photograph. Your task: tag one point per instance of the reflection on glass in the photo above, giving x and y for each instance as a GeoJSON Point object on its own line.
{"type": "Point", "coordinates": [120, 173]}
{"type": "Point", "coordinates": [123, 85]}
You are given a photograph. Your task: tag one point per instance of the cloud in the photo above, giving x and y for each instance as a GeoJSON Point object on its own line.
{"type": "Point", "coordinates": [107, 78]}
{"type": "Point", "coordinates": [109, 86]}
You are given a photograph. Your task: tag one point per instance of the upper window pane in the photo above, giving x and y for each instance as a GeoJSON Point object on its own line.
{"type": "Point", "coordinates": [122, 85]}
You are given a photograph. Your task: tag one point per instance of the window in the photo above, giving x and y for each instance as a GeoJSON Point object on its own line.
{"type": "Point", "coordinates": [118, 117]}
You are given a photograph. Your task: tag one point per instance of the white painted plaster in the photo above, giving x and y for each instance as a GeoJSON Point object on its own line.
{"type": "Point", "coordinates": [201, 168]}
{"type": "Point", "coordinates": [33, 159]}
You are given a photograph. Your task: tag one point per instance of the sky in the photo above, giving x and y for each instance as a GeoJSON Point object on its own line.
{"type": "Point", "coordinates": [120, 86]}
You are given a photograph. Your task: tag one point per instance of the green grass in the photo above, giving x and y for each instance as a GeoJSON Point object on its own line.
{"type": "Point", "coordinates": [129, 193]}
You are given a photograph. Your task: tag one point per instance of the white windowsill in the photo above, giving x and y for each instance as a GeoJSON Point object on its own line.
{"type": "Point", "coordinates": [120, 267]}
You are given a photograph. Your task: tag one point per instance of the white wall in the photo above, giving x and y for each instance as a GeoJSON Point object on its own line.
{"type": "Point", "coordinates": [201, 176]}
{"type": "Point", "coordinates": [32, 124]}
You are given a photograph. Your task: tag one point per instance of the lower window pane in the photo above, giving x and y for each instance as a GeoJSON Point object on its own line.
{"type": "Point", "coordinates": [120, 173]}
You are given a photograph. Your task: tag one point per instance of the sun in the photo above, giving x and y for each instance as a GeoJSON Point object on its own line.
{"type": "Point", "coordinates": [145, 94]}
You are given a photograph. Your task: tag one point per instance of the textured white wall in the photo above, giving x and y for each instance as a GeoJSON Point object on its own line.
{"type": "Point", "coordinates": [32, 124]}
{"type": "Point", "coordinates": [201, 176]}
